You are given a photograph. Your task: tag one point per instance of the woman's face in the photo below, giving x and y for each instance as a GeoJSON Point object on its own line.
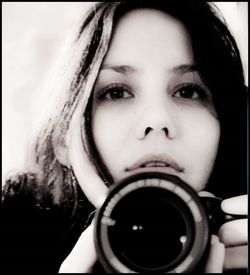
{"type": "Point", "coordinates": [151, 110]}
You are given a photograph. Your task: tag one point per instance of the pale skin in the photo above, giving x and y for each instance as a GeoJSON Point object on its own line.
{"type": "Point", "coordinates": [150, 101]}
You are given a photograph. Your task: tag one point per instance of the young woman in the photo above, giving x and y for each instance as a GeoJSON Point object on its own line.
{"type": "Point", "coordinates": [150, 87]}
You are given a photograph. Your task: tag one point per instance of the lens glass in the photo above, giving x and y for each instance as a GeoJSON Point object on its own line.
{"type": "Point", "coordinates": [153, 229]}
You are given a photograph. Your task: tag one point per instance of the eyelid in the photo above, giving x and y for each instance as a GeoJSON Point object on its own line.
{"type": "Point", "coordinates": [104, 91]}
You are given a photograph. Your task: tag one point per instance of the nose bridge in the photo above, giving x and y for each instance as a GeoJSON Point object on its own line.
{"type": "Point", "coordinates": [156, 109]}
{"type": "Point", "coordinates": [158, 113]}
{"type": "Point", "coordinates": [158, 103]}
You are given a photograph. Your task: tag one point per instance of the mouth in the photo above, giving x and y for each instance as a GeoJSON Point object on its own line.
{"type": "Point", "coordinates": [159, 162]}
{"type": "Point", "coordinates": [155, 163]}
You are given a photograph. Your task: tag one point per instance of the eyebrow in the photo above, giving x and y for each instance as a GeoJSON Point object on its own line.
{"type": "Point", "coordinates": [185, 68]}
{"type": "Point", "coordinates": [125, 69]}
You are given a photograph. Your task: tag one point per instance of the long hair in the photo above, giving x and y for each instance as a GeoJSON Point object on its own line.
{"type": "Point", "coordinates": [218, 61]}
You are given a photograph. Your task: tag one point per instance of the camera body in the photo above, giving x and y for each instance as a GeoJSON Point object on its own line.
{"type": "Point", "coordinates": [155, 222]}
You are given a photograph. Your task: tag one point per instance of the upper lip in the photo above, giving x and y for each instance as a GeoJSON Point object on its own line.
{"type": "Point", "coordinates": [152, 160]}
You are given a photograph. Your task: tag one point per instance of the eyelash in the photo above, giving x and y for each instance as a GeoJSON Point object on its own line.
{"type": "Point", "coordinates": [202, 93]}
{"type": "Point", "coordinates": [106, 93]}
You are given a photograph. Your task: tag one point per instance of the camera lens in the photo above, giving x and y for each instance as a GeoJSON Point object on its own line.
{"type": "Point", "coordinates": [151, 222]}
{"type": "Point", "coordinates": [151, 229]}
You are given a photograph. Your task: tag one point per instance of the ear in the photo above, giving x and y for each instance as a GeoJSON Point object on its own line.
{"type": "Point", "coordinates": [61, 148]}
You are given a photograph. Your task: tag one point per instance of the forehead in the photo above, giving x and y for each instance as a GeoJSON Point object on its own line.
{"type": "Point", "coordinates": [147, 34]}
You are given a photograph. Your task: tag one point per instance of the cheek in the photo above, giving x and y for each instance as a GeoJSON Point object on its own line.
{"type": "Point", "coordinates": [111, 131]}
{"type": "Point", "coordinates": [202, 134]}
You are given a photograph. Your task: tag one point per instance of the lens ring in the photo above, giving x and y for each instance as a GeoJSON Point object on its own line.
{"type": "Point", "coordinates": [173, 184]}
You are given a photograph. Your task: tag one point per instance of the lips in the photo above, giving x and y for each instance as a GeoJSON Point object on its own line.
{"type": "Point", "coordinates": [155, 161]}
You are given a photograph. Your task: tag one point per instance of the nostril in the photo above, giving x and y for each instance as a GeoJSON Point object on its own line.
{"type": "Point", "coordinates": [148, 129]}
{"type": "Point", "coordinates": [165, 129]}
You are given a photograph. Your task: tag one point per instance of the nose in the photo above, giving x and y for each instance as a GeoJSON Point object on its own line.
{"type": "Point", "coordinates": [157, 120]}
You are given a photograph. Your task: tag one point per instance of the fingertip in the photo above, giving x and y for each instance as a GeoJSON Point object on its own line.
{"type": "Point", "coordinates": [215, 240]}
{"type": "Point", "coordinates": [224, 204]}
{"type": "Point", "coordinates": [235, 205]}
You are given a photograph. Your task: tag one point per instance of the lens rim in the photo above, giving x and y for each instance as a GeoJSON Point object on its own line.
{"type": "Point", "coordinates": [168, 182]}
{"type": "Point", "coordinates": [139, 197]}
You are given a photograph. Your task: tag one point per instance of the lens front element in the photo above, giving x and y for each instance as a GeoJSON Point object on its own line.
{"type": "Point", "coordinates": [150, 223]}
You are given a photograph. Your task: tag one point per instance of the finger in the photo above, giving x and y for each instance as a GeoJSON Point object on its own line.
{"type": "Point", "coordinates": [216, 256]}
{"type": "Point", "coordinates": [236, 205]}
{"type": "Point", "coordinates": [236, 257]}
{"type": "Point", "coordinates": [83, 256]}
{"type": "Point", "coordinates": [234, 232]}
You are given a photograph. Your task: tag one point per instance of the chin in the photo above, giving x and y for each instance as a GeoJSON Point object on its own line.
{"type": "Point", "coordinates": [197, 184]}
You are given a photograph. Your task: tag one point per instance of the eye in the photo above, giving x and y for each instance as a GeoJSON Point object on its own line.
{"type": "Point", "coordinates": [115, 92]}
{"type": "Point", "coordinates": [191, 91]}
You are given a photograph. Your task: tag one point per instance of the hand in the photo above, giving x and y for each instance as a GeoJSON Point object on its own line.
{"type": "Point", "coordinates": [215, 260]}
{"type": "Point", "coordinates": [229, 249]}
{"type": "Point", "coordinates": [83, 256]}
{"type": "Point", "coordinates": [233, 234]}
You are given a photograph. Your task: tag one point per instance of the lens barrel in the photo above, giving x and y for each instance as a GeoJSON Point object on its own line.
{"type": "Point", "coordinates": [151, 222]}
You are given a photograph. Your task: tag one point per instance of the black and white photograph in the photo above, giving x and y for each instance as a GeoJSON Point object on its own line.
{"type": "Point", "coordinates": [125, 137]}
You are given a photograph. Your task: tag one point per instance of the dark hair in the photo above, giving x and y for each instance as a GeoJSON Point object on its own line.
{"type": "Point", "coordinates": [217, 58]}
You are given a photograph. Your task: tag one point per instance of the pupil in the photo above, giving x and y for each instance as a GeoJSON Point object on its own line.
{"type": "Point", "coordinates": [116, 94]}
{"type": "Point", "coordinates": [187, 93]}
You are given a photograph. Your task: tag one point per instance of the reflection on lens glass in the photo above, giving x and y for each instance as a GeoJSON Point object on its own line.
{"type": "Point", "coordinates": [152, 229]}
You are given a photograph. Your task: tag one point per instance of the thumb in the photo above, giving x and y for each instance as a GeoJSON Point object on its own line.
{"type": "Point", "coordinates": [83, 256]}
{"type": "Point", "coordinates": [216, 256]}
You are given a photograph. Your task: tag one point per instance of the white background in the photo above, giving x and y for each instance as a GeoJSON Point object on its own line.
{"type": "Point", "coordinates": [32, 35]}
